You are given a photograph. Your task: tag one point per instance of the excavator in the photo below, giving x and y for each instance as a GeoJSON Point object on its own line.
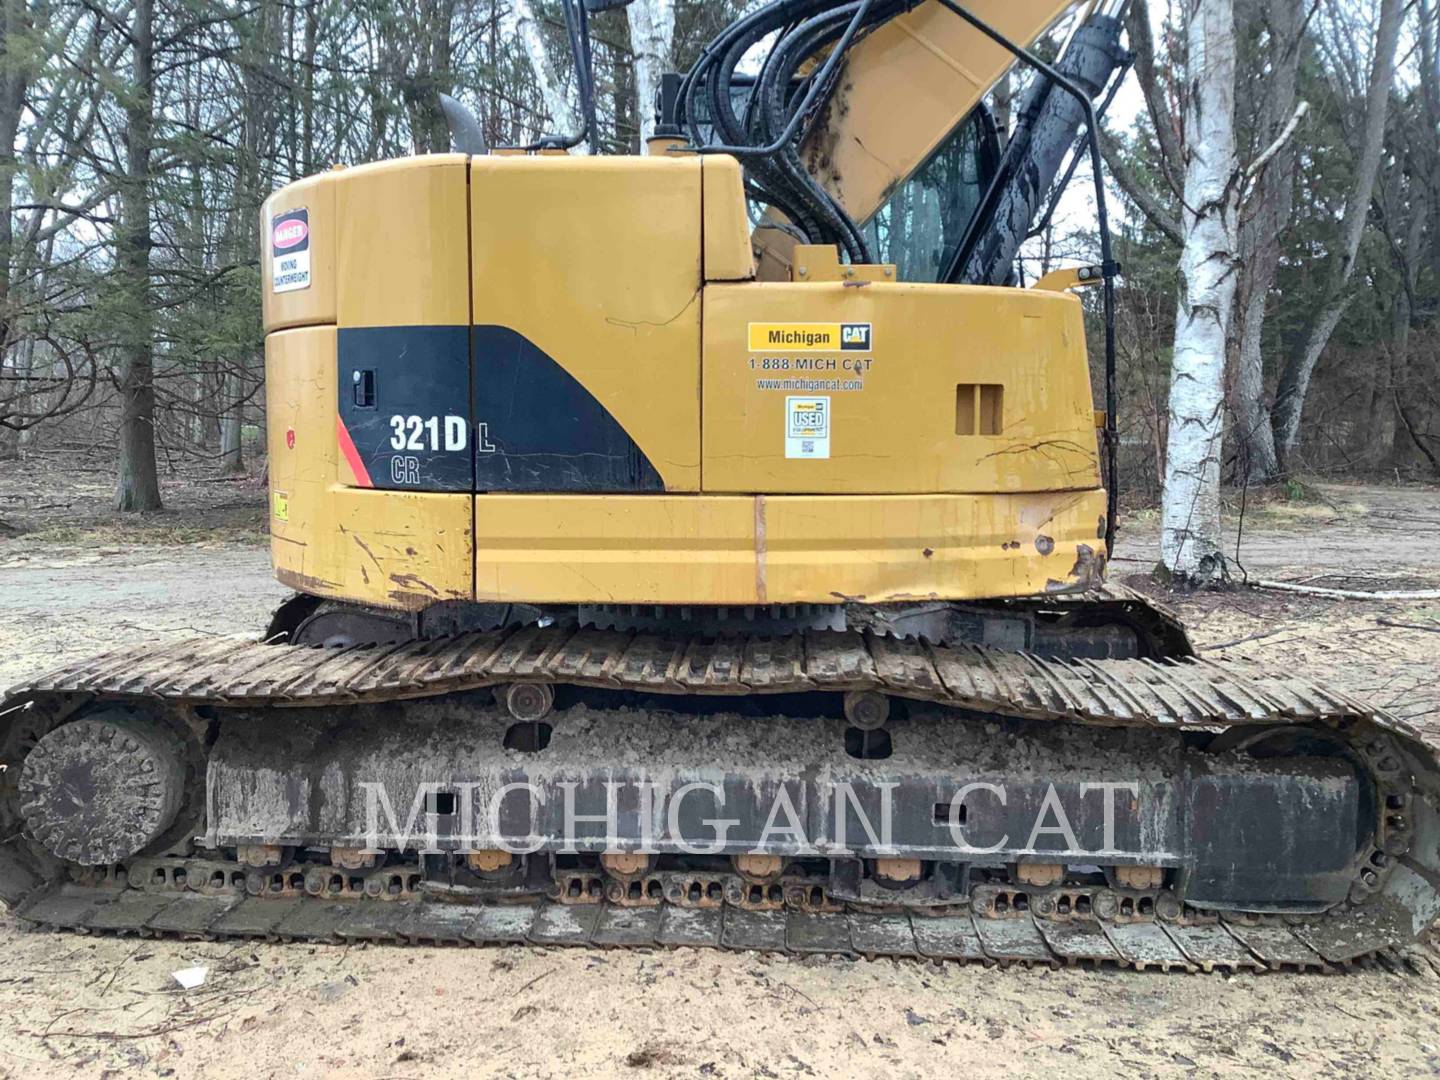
{"type": "Point", "coordinates": [709, 548]}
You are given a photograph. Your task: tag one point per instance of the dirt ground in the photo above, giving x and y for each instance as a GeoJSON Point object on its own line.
{"type": "Point", "coordinates": [73, 580]}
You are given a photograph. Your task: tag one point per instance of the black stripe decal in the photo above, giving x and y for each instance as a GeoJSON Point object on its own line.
{"type": "Point", "coordinates": [415, 373]}
{"type": "Point", "coordinates": [529, 424]}
{"type": "Point", "coordinates": [543, 429]}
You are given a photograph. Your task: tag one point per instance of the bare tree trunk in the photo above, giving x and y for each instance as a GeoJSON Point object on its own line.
{"type": "Point", "coordinates": [1340, 262]}
{"type": "Point", "coordinates": [1190, 526]}
{"type": "Point", "coordinates": [652, 32]}
{"type": "Point", "coordinates": [1408, 252]}
{"type": "Point", "coordinates": [1430, 98]}
{"type": "Point", "coordinates": [307, 84]}
{"type": "Point", "coordinates": [199, 403]}
{"type": "Point", "coordinates": [1263, 219]}
{"type": "Point", "coordinates": [138, 487]}
{"type": "Point", "coordinates": [1162, 116]}
{"type": "Point", "coordinates": [232, 463]}
{"type": "Point", "coordinates": [421, 56]}
{"type": "Point", "coordinates": [552, 92]}
{"type": "Point", "coordinates": [14, 26]}
{"type": "Point", "coordinates": [23, 365]}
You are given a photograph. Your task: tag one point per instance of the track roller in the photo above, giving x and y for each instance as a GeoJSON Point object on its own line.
{"type": "Point", "coordinates": [867, 709]}
{"type": "Point", "coordinates": [758, 868]}
{"type": "Point", "coordinates": [528, 702]}
{"type": "Point", "coordinates": [489, 860]}
{"type": "Point", "coordinates": [260, 855]}
{"type": "Point", "coordinates": [1139, 877]}
{"type": "Point", "coordinates": [625, 864]}
{"type": "Point", "coordinates": [898, 873]}
{"type": "Point", "coordinates": [1039, 874]}
{"type": "Point", "coordinates": [352, 858]}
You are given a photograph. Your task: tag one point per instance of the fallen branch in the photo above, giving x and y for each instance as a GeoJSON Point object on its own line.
{"type": "Point", "coordinates": [1345, 594]}
{"type": "Point", "coordinates": [1409, 626]}
{"type": "Point", "coordinates": [118, 1036]}
{"type": "Point", "coordinates": [1248, 637]}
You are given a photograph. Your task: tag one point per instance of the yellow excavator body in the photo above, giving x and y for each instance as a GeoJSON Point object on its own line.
{"type": "Point", "coordinates": [824, 439]}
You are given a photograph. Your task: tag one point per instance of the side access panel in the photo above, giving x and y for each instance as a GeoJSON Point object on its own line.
{"type": "Point", "coordinates": [384, 291]}
{"type": "Point", "coordinates": [586, 303]}
{"type": "Point", "coordinates": [829, 388]}
{"type": "Point", "coordinates": [390, 548]}
{"type": "Point", "coordinates": [404, 325]}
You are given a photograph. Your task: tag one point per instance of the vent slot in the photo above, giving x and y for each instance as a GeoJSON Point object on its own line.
{"type": "Point", "coordinates": [979, 409]}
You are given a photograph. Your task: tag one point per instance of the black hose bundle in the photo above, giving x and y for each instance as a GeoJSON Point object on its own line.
{"type": "Point", "coordinates": [782, 105]}
{"type": "Point", "coordinates": [577, 33]}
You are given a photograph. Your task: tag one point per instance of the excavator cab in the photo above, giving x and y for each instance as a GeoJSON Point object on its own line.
{"type": "Point", "coordinates": [922, 223]}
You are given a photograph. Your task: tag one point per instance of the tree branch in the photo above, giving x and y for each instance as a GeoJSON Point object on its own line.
{"type": "Point", "coordinates": [1136, 192]}
{"type": "Point", "coordinates": [1252, 172]}
{"type": "Point", "coordinates": [1142, 44]}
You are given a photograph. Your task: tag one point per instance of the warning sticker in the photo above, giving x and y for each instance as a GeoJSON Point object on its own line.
{"type": "Point", "coordinates": [810, 337]}
{"type": "Point", "coordinates": [807, 427]}
{"type": "Point", "coordinates": [290, 251]}
{"type": "Point", "coordinates": [281, 504]}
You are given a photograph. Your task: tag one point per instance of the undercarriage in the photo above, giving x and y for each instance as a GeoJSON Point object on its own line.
{"type": "Point", "coordinates": [821, 791]}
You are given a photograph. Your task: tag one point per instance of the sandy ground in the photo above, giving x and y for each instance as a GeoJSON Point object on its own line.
{"type": "Point", "coordinates": [76, 582]}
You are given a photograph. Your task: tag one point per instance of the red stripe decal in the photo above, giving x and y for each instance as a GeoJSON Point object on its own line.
{"type": "Point", "coordinates": [352, 456]}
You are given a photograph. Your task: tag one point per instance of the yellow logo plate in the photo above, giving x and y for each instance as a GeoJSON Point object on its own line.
{"type": "Point", "coordinates": [810, 337]}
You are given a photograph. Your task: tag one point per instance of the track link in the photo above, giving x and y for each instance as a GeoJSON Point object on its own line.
{"type": "Point", "coordinates": [1217, 945]}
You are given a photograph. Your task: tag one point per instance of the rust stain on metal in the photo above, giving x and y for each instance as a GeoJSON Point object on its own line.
{"type": "Point", "coordinates": [414, 580]}
{"type": "Point", "coordinates": [363, 546]}
{"type": "Point", "coordinates": [819, 149]}
{"type": "Point", "coordinates": [410, 601]}
{"type": "Point", "coordinates": [1089, 566]}
{"type": "Point", "coordinates": [413, 592]}
{"type": "Point", "coordinates": [1087, 573]}
{"type": "Point", "coordinates": [304, 582]}
{"type": "Point", "coordinates": [761, 589]}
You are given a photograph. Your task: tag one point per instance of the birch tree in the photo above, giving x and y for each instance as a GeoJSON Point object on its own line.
{"type": "Point", "coordinates": [652, 34]}
{"type": "Point", "coordinates": [1190, 525]}
{"type": "Point", "coordinates": [552, 89]}
{"type": "Point", "coordinates": [1270, 36]}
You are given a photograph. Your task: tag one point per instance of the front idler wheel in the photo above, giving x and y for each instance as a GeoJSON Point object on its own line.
{"type": "Point", "coordinates": [103, 787]}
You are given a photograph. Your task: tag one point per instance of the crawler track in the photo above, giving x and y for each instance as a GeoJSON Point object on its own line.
{"type": "Point", "coordinates": [1394, 899]}
{"type": "Point", "coordinates": [1215, 945]}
